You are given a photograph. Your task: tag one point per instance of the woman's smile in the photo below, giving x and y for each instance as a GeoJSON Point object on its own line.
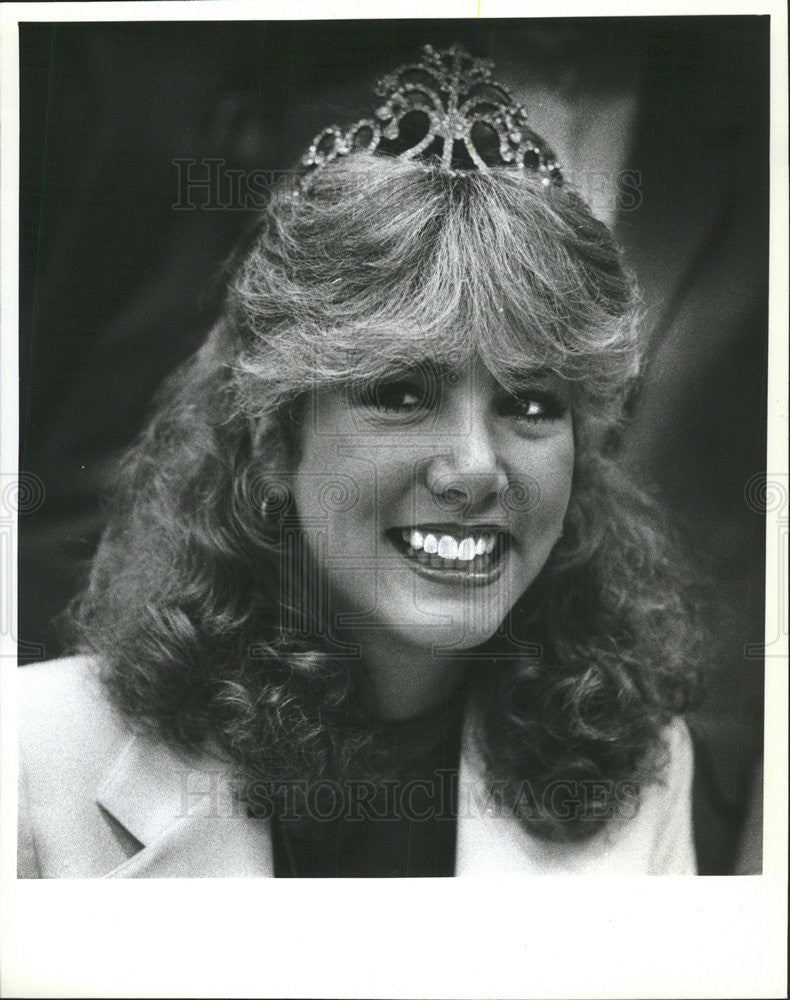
{"type": "Point", "coordinates": [455, 555]}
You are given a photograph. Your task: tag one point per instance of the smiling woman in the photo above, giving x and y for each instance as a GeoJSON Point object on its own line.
{"type": "Point", "coordinates": [373, 572]}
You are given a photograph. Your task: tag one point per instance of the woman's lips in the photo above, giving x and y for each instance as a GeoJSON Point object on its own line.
{"type": "Point", "coordinates": [454, 555]}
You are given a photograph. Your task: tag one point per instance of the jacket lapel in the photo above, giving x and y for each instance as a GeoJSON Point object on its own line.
{"type": "Point", "coordinates": [492, 841]}
{"type": "Point", "coordinates": [185, 813]}
{"type": "Point", "coordinates": [489, 839]}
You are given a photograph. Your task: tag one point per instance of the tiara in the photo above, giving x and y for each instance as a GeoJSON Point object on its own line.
{"type": "Point", "coordinates": [446, 108]}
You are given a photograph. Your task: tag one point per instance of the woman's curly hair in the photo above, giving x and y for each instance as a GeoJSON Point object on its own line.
{"type": "Point", "coordinates": [373, 265]}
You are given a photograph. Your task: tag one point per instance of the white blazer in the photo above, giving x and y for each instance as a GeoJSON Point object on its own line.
{"type": "Point", "coordinates": [99, 801]}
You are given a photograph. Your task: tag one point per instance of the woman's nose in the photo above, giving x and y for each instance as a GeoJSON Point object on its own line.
{"type": "Point", "coordinates": [469, 476]}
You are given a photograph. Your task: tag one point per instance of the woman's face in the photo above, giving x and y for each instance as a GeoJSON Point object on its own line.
{"type": "Point", "coordinates": [431, 501]}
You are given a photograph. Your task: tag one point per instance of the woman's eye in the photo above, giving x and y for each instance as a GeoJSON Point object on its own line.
{"type": "Point", "coordinates": [398, 398]}
{"type": "Point", "coordinates": [533, 407]}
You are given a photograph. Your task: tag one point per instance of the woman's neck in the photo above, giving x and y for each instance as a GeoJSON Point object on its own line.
{"type": "Point", "coordinates": [407, 680]}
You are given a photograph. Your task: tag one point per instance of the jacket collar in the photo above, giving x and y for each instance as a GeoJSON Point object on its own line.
{"type": "Point", "coordinates": [185, 813]}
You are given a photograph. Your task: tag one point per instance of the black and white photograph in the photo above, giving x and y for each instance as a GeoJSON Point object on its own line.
{"type": "Point", "coordinates": [394, 433]}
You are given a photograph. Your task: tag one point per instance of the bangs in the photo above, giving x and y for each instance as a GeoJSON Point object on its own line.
{"type": "Point", "coordinates": [384, 265]}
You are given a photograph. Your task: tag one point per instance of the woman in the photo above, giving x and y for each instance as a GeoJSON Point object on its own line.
{"type": "Point", "coordinates": [375, 598]}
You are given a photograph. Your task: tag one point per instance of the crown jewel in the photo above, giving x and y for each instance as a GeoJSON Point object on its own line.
{"type": "Point", "coordinates": [446, 107]}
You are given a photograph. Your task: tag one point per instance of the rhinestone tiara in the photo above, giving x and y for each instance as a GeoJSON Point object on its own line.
{"type": "Point", "coordinates": [446, 108]}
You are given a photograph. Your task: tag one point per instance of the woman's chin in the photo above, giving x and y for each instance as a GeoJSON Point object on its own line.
{"type": "Point", "coordinates": [450, 634]}
{"type": "Point", "coordinates": [428, 616]}
{"type": "Point", "coordinates": [459, 618]}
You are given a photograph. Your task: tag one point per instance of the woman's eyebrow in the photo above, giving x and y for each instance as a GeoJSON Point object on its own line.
{"type": "Point", "coordinates": [534, 378]}
{"type": "Point", "coordinates": [424, 367]}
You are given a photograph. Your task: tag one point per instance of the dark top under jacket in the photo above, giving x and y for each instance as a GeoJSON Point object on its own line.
{"type": "Point", "coordinates": [404, 826]}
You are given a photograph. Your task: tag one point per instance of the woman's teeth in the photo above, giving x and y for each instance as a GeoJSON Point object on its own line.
{"type": "Point", "coordinates": [447, 547]}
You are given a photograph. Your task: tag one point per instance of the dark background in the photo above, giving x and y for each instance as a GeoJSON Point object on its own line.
{"type": "Point", "coordinates": [116, 286]}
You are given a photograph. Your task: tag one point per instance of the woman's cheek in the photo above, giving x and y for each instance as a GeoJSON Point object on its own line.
{"type": "Point", "coordinates": [550, 478]}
